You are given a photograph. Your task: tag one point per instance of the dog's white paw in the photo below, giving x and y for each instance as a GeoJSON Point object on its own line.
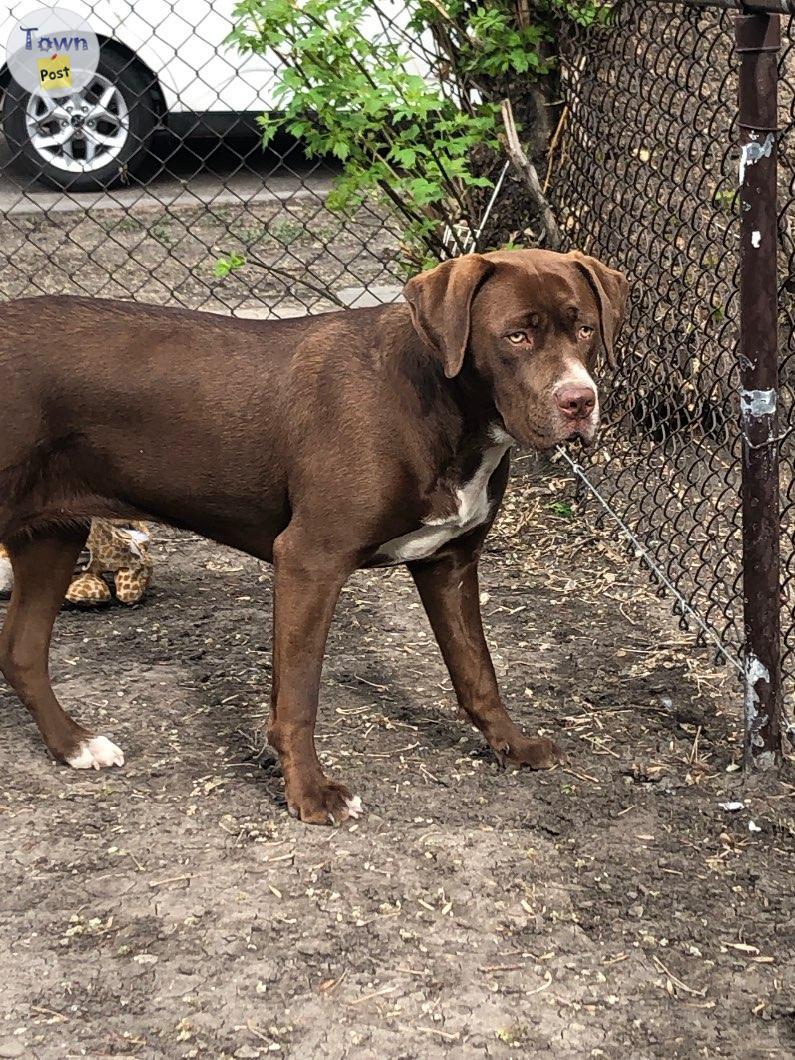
{"type": "Point", "coordinates": [354, 805]}
{"type": "Point", "coordinates": [97, 753]}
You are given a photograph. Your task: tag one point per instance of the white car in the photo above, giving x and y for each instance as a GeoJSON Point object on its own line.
{"type": "Point", "coordinates": [162, 64]}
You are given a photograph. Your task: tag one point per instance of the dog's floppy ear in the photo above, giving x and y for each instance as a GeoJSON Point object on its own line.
{"type": "Point", "coordinates": [440, 301]}
{"type": "Point", "coordinates": [610, 289]}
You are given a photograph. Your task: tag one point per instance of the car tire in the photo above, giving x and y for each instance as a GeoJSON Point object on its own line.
{"type": "Point", "coordinates": [118, 142]}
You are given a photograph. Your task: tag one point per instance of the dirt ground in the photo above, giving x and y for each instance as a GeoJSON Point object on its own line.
{"type": "Point", "coordinates": [609, 908]}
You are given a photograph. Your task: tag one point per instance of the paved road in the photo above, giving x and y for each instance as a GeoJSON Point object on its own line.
{"type": "Point", "coordinates": [202, 170]}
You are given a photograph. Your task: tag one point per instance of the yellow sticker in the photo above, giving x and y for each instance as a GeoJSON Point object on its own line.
{"type": "Point", "coordinates": [55, 73]}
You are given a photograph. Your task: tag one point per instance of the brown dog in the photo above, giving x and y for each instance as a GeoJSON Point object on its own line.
{"type": "Point", "coordinates": [357, 439]}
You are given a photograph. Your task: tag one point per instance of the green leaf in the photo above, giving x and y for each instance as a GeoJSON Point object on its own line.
{"type": "Point", "coordinates": [340, 149]}
{"type": "Point", "coordinates": [225, 265]}
{"type": "Point", "coordinates": [562, 509]}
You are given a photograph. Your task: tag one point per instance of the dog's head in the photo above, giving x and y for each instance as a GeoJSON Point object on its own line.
{"type": "Point", "coordinates": [529, 323]}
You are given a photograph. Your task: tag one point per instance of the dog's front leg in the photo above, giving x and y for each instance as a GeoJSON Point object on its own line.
{"type": "Point", "coordinates": [307, 585]}
{"type": "Point", "coordinates": [450, 594]}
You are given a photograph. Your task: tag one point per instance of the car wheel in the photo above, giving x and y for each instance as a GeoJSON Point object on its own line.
{"type": "Point", "coordinates": [88, 139]}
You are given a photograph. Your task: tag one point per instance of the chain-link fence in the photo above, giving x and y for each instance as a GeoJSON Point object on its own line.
{"type": "Point", "coordinates": [643, 173]}
{"type": "Point", "coordinates": [647, 178]}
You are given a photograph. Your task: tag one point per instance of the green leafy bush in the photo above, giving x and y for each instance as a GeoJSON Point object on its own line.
{"type": "Point", "coordinates": [416, 144]}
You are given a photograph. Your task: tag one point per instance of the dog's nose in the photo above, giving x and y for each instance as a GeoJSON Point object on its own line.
{"type": "Point", "coordinates": [576, 402]}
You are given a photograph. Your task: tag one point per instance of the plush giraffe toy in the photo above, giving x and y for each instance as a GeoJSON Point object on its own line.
{"type": "Point", "coordinates": [115, 548]}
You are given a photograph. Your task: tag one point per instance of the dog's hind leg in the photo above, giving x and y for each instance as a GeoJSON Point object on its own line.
{"type": "Point", "coordinates": [43, 566]}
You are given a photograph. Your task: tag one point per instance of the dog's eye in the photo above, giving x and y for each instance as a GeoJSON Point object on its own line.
{"type": "Point", "coordinates": [517, 336]}
{"type": "Point", "coordinates": [585, 332]}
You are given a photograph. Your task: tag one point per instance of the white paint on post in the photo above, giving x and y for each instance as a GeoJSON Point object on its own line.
{"type": "Point", "coordinates": [756, 671]}
{"type": "Point", "coordinates": [752, 152]}
{"type": "Point", "coordinates": [758, 402]}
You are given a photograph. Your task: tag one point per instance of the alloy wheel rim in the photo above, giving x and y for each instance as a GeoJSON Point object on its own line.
{"type": "Point", "coordinates": [78, 132]}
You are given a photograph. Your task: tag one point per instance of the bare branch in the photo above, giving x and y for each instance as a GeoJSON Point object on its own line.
{"type": "Point", "coordinates": [525, 169]}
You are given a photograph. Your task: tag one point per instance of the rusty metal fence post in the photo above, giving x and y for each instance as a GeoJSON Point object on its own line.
{"type": "Point", "coordinates": [758, 40]}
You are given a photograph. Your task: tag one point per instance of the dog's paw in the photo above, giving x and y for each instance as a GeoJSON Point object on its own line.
{"type": "Point", "coordinates": [537, 753]}
{"type": "Point", "coordinates": [327, 802]}
{"type": "Point", "coordinates": [98, 752]}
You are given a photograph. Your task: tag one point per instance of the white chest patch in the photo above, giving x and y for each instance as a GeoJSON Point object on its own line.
{"type": "Point", "coordinates": [473, 509]}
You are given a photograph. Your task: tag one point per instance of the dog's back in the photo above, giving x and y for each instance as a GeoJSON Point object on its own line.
{"type": "Point", "coordinates": [104, 398]}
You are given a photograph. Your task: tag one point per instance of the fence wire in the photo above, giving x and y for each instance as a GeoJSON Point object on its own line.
{"type": "Point", "coordinates": [647, 178]}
